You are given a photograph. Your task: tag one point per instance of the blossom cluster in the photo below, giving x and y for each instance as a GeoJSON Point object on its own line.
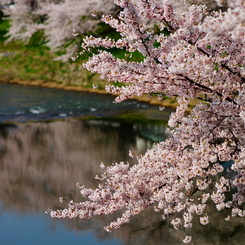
{"type": "Point", "coordinates": [194, 54]}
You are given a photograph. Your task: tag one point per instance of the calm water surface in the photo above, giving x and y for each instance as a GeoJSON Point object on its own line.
{"type": "Point", "coordinates": [42, 159]}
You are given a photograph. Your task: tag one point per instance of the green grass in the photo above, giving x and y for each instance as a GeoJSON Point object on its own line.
{"type": "Point", "coordinates": [35, 62]}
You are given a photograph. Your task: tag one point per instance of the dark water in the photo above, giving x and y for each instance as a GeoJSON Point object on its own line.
{"type": "Point", "coordinates": [44, 159]}
{"type": "Point", "coordinates": [23, 103]}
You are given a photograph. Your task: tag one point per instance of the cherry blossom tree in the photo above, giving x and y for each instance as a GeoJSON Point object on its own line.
{"type": "Point", "coordinates": [57, 19]}
{"type": "Point", "coordinates": [196, 55]}
{"type": "Point", "coordinates": [24, 21]}
{"type": "Point", "coordinates": [63, 18]}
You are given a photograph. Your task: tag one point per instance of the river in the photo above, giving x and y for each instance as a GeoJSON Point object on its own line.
{"type": "Point", "coordinates": [52, 139]}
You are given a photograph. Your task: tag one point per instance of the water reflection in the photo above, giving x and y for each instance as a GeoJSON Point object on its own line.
{"type": "Point", "coordinates": [41, 161]}
{"type": "Point", "coordinates": [56, 155]}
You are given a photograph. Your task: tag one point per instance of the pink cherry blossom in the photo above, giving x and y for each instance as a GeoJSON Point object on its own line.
{"type": "Point", "coordinates": [194, 54]}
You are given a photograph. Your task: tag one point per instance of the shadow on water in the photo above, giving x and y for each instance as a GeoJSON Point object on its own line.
{"type": "Point", "coordinates": [44, 160]}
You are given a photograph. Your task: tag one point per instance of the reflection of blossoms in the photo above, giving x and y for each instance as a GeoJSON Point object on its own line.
{"type": "Point", "coordinates": [187, 57]}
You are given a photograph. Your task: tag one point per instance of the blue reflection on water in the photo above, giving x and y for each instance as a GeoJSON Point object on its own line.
{"type": "Point", "coordinates": [35, 230]}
